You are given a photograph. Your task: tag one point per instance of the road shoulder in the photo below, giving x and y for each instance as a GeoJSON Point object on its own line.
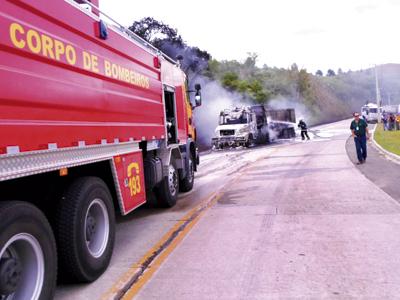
{"type": "Point", "coordinates": [379, 169]}
{"type": "Point", "coordinates": [301, 223]}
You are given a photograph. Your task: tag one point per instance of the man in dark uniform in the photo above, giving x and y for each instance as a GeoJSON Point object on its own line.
{"type": "Point", "coordinates": [360, 133]}
{"type": "Point", "coordinates": [303, 126]}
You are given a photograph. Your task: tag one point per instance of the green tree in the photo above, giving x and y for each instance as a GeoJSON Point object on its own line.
{"type": "Point", "coordinates": [251, 60]}
{"type": "Point", "coordinates": [319, 73]}
{"type": "Point", "coordinates": [330, 73]}
{"type": "Point", "coordinates": [243, 86]}
{"type": "Point", "coordinates": [230, 80]}
{"type": "Point", "coordinates": [156, 32]}
{"type": "Point", "coordinates": [257, 92]}
{"type": "Point", "coordinates": [294, 67]}
{"type": "Point", "coordinates": [303, 81]}
{"type": "Point", "coordinates": [167, 39]}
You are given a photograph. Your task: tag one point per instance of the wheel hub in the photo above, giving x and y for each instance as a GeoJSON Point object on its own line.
{"type": "Point", "coordinates": [173, 180]}
{"type": "Point", "coordinates": [10, 275]}
{"type": "Point", "coordinates": [90, 227]}
{"type": "Point", "coordinates": [96, 228]}
{"type": "Point", "coordinates": [191, 170]}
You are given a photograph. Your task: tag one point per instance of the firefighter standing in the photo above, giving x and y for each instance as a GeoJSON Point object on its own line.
{"type": "Point", "coordinates": [303, 126]}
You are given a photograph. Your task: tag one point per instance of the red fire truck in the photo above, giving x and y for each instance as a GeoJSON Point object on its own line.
{"type": "Point", "coordinates": [93, 121]}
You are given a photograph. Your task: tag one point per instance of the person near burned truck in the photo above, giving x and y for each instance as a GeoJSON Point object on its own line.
{"type": "Point", "coordinates": [303, 126]}
{"type": "Point", "coordinates": [385, 121]}
{"type": "Point", "coordinates": [360, 133]}
{"type": "Point", "coordinates": [392, 122]}
{"type": "Point", "coordinates": [398, 121]}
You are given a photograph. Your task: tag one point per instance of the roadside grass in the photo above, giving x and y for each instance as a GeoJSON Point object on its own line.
{"type": "Point", "coordinates": [389, 140]}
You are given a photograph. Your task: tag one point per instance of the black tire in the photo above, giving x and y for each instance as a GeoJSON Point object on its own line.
{"type": "Point", "coordinates": [250, 141]}
{"type": "Point", "coordinates": [247, 143]}
{"type": "Point", "coordinates": [167, 191]}
{"type": "Point", "coordinates": [82, 213]}
{"type": "Point", "coordinates": [186, 184]}
{"type": "Point", "coordinates": [25, 233]}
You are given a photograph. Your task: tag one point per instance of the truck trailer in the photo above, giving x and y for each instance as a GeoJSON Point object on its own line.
{"type": "Point", "coordinates": [93, 121]}
{"type": "Point", "coordinates": [282, 122]}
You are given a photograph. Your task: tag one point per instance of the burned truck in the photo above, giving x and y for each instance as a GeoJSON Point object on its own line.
{"type": "Point", "coordinates": [249, 125]}
{"type": "Point", "coordinates": [282, 122]}
{"type": "Point", "coordinates": [241, 126]}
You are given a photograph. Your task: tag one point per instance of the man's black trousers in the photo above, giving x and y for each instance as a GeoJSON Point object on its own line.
{"type": "Point", "coordinates": [304, 134]}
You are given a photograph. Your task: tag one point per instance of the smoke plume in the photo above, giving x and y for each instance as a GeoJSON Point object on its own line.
{"type": "Point", "coordinates": [302, 112]}
{"type": "Point", "coordinates": [215, 99]}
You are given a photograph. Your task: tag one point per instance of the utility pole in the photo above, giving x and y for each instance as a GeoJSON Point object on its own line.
{"type": "Point", "coordinates": [378, 95]}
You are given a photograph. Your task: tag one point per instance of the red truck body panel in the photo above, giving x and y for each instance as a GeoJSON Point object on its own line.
{"type": "Point", "coordinates": [60, 83]}
{"type": "Point", "coordinates": [130, 175]}
{"type": "Point", "coordinates": [174, 77]}
{"type": "Point", "coordinates": [181, 114]}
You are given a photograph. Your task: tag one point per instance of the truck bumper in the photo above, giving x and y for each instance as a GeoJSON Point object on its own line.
{"type": "Point", "coordinates": [230, 141]}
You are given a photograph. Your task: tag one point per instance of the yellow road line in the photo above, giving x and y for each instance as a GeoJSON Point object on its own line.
{"type": "Point", "coordinates": [161, 258]}
{"type": "Point", "coordinates": [139, 273]}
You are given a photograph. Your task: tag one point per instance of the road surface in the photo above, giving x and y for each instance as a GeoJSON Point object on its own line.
{"type": "Point", "coordinates": [295, 220]}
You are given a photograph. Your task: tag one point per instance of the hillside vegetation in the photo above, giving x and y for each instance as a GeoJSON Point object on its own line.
{"type": "Point", "coordinates": [317, 98]}
{"type": "Point", "coordinates": [326, 98]}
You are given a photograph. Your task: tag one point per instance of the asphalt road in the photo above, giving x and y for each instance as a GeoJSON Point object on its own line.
{"type": "Point", "coordinates": [138, 232]}
{"type": "Point", "coordinates": [378, 168]}
{"type": "Point", "coordinates": [293, 220]}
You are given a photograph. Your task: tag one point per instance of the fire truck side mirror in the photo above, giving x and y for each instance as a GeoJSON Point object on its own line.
{"type": "Point", "coordinates": [197, 97]}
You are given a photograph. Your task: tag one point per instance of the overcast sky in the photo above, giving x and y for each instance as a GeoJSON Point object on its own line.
{"type": "Point", "coordinates": [315, 34]}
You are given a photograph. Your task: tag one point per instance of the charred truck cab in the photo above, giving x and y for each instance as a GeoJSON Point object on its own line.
{"type": "Point", "coordinates": [248, 125]}
{"type": "Point", "coordinates": [241, 126]}
{"type": "Point", "coordinates": [93, 121]}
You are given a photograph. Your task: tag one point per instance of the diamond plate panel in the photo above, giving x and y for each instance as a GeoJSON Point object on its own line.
{"type": "Point", "coordinates": [35, 162]}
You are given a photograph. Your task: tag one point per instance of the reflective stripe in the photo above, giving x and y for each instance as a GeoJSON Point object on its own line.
{"type": "Point", "coordinates": [12, 149]}
{"type": "Point", "coordinates": [52, 146]}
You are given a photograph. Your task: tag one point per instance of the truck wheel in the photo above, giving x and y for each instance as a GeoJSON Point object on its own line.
{"type": "Point", "coordinates": [186, 184]}
{"type": "Point", "coordinates": [167, 192]}
{"type": "Point", "coordinates": [85, 229]}
{"type": "Point", "coordinates": [250, 141]}
{"type": "Point", "coordinates": [267, 141]}
{"type": "Point", "coordinates": [28, 256]}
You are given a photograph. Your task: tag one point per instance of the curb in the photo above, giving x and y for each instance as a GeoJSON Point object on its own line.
{"type": "Point", "coordinates": [389, 155]}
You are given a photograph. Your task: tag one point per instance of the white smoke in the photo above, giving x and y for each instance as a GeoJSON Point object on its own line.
{"type": "Point", "coordinates": [301, 111]}
{"type": "Point", "coordinates": [273, 134]}
{"type": "Point", "coordinates": [214, 99]}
